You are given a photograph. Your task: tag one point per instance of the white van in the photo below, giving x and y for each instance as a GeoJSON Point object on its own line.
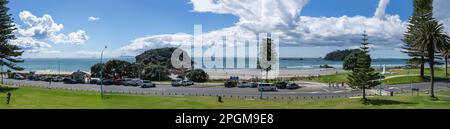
{"type": "Point", "coordinates": [266, 87]}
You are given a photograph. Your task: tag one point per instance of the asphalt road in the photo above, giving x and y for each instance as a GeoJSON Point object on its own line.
{"type": "Point", "coordinates": [425, 86]}
{"type": "Point", "coordinates": [312, 90]}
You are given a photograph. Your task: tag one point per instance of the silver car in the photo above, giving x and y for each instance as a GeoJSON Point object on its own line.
{"type": "Point", "coordinates": [146, 84]}
{"type": "Point", "coordinates": [177, 82]}
{"type": "Point", "coordinates": [267, 87]}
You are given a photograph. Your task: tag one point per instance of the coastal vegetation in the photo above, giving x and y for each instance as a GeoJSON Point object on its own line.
{"type": "Point", "coordinates": [418, 57]}
{"type": "Point", "coordinates": [350, 61]}
{"type": "Point", "coordinates": [9, 53]}
{"type": "Point", "coordinates": [198, 75]}
{"type": "Point", "coordinates": [363, 76]}
{"type": "Point", "coordinates": [154, 64]}
{"type": "Point", "coordinates": [340, 55]}
{"type": "Point", "coordinates": [426, 35]}
{"type": "Point", "coordinates": [33, 98]}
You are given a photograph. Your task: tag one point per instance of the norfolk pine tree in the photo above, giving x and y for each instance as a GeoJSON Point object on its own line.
{"type": "Point", "coordinates": [9, 53]}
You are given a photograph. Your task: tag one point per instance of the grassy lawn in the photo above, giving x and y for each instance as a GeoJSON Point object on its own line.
{"type": "Point", "coordinates": [443, 93]}
{"type": "Point", "coordinates": [36, 98]}
{"type": "Point", "coordinates": [398, 76]}
{"type": "Point", "coordinates": [341, 77]}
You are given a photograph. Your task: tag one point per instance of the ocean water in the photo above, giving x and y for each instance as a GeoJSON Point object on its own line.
{"type": "Point", "coordinates": [64, 65]}
{"type": "Point", "coordinates": [69, 65]}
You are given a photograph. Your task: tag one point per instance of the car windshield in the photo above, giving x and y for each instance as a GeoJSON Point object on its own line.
{"type": "Point", "coordinates": [146, 81]}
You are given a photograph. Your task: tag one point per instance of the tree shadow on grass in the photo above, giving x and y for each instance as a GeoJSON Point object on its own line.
{"type": "Point", "coordinates": [381, 102]}
{"type": "Point", "coordinates": [6, 89]}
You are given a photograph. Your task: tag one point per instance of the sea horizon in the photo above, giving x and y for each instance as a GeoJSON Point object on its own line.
{"type": "Point", "coordinates": [84, 64]}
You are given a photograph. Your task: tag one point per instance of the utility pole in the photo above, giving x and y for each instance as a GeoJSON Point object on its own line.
{"type": "Point", "coordinates": [101, 72]}
{"type": "Point", "coordinates": [381, 76]}
{"type": "Point", "coordinates": [410, 81]}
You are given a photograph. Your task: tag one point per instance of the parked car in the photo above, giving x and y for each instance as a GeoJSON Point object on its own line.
{"type": "Point", "coordinates": [254, 85]}
{"type": "Point", "coordinates": [118, 82]}
{"type": "Point", "coordinates": [188, 83]}
{"type": "Point", "coordinates": [244, 85]}
{"type": "Point", "coordinates": [230, 84]}
{"type": "Point", "coordinates": [33, 78]}
{"type": "Point", "coordinates": [292, 86]}
{"type": "Point", "coordinates": [126, 81]}
{"type": "Point", "coordinates": [281, 85]}
{"type": "Point", "coordinates": [19, 77]}
{"type": "Point", "coordinates": [43, 78]}
{"type": "Point", "coordinates": [134, 82]}
{"type": "Point", "coordinates": [266, 87]}
{"type": "Point", "coordinates": [106, 82]}
{"type": "Point", "coordinates": [177, 82]}
{"type": "Point", "coordinates": [69, 81]}
{"type": "Point", "coordinates": [146, 84]}
{"type": "Point", "coordinates": [46, 79]}
{"type": "Point", "coordinates": [94, 81]}
{"type": "Point", "coordinates": [57, 79]}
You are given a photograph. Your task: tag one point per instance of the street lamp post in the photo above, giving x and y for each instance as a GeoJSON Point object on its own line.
{"type": "Point", "coordinates": [381, 78]}
{"type": "Point", "coordinates": [101, 72]}
{"type": "Point", "coordinates": [410, 81]}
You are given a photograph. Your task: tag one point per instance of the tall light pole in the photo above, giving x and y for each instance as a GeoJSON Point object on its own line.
{"type": "Point", "coordinates": [410, 81]}
{"type": "Point", "coordinates": [381, 80]}
{"type": "Point", "coordinates": [101, 72]}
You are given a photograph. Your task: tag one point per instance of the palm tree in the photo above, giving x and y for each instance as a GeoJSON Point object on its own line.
{"type": "Point", "coordinates": [423, 10]}
{"type": "Point", "coordinates": [431, 38]}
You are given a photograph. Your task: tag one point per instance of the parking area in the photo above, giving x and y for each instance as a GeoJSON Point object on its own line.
{"type": "Point", "coordinates": [307, 90]}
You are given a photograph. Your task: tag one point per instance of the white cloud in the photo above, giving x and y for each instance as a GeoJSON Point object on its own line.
{"type": "Point", "coordinates": [283, 17]}
{"type": "Point", "coordinates": [92, 18]}
{"type": "Point", "coordinates": [28, 44]}
{"type": "Point", "coordinates": [346, 31]}
{"type": "Point", "coordinates": [442, 12]}
{"type": "Point", "coordinates": [38, 27]}
{"type": "Point", "coordinates": [256, 15]}
{"type": "Point", "coordinates": [46, 28]}
{"type": "Point", "coordinates": [381, 10]}
{"type": "Point", "coordinates": [148, 42]}
{"type": "Point", "coordinates": [75, 38]}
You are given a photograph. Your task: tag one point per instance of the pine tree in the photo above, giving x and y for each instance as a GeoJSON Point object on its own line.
{"type": "Point", "coordinates": [365, 43]}
{"type": "Point", "coordinates": [363, 76]}
{"type": "Point", "coordinates": [422, 12]}
{"type": "Point", "coordinates": [9, 54]}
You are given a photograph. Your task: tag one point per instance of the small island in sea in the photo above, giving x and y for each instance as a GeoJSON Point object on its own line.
{"type": "Point", "coordinates": [340, 55]}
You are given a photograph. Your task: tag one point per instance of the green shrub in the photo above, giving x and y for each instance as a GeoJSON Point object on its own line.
{"type": "Point", "coordinates": [198, 75]}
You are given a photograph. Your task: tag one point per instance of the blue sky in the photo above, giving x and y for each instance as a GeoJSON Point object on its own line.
{"type": "Point", "coordinates": [122, 21]}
